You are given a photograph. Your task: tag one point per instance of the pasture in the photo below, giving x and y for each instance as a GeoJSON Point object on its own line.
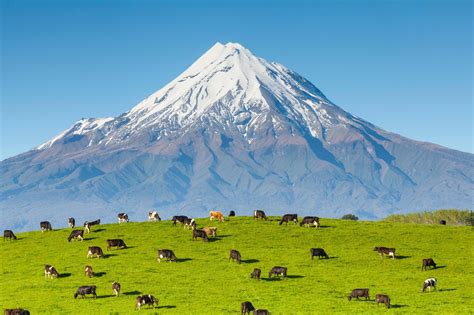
{"type": "Point", "coordinates": [203, 281]}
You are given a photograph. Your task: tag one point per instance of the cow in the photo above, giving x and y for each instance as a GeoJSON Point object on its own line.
{"type": "Point", "coordinates": [278, 271]}
{"type": "Point", "coordinates": [232, 213]}
{"type": "Point", "coordinates": [318, 252]}
{"type": "Point", "coordinates": [246, 307]}
{"type": "Point", "coordinates": [383, 298]}
{"type": "Point", "coordinates": [116, 243]}
{"type": "Point", "coordinates": [16, 311]}
{"type": "Point", "coordinates": [50, 272]}
{"type": "Point", "coordinates": [189, 223]}
{"type": "Point", "coordinates": [256, 274]}
{"type": "Point", "coordinates": [259, 214]}
{"type": "Point", "coordinates": [87, 227]}
{"type": "Point", "coordinates": [201, 234]}
{"type": "Point", "coordinates": [358, 293]}
{"type": "Point", "coordinates": [210, 231]}
{"type": "Point", "coordinates": [116, 288]}
{"type": "Point", "coordinates": [261, 312]}
{"type": "Point", "coordinates": [442, 222]}
{"type": "Point", "coordinates": [88, 272]}
{"type": "Point", "coordinates": [428, 262]}
{"type": "Point", "coordinates": [179, 218]}
{"type": "Point", "coordinates": [216, 215]}
{"type": "Point", "coordinates": [86, 289]}
{"type": "Point", "coordinates": [45, 226]}
{"type": "Point", "coordinates": [235, 255]}
{"type": "Point", "coordinates": [167, 254]}
{"type": "Point", "coordinates": [153, 216]}
{"type": "Point", "coordinates": [289, 217]}
{"type": "Point", "coordinates": [8, 234]}
{"type": "Point", "coordinates": [122, 217]}
{"type": "Point", "coordinates": [146, 299]}
{"type": "Point", "coordinates": [76, 234]}
{"type": "Point", "coordinates": [385, 251]}
{"type": "Point", "coordinates": [310, 221]}
{"type": "Point", "coordinates": [95, 250]}
{"type": "Point", "coordinates": [429, 283]}
{"type": "Point", "coordinates": [71, 222]}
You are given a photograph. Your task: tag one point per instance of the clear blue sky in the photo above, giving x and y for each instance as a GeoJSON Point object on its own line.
{"type": "Point", "coordinates": [405, 66]}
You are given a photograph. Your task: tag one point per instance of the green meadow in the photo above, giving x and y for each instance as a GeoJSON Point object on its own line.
{"type": "Point", "coordinates": [204, 281]}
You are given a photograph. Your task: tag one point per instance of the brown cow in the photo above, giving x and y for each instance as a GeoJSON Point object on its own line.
{"type": "Point", "coordinates": [88, 271]}
{"type": "Point", "coordinates": [216, 215]}
{"type": "Point", "coordinates": [210, 231]}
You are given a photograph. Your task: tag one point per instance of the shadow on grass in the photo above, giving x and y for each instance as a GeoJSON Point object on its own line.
{"type": "Point", "coordinates": [167, 306]}
{"type": "Point", "coordinates": [183, 259]}
{"type": "Point", "coordinates": [64, 275]}
{"type": "Point", "coordinates": [132, 293]}
{"type": "Point", "coordinates": [443, 290]}
{"type": "Point", "coordinates": [402, 257]}
{"type": "Point", "coordinates": [129, 247]}
{"type": "Point", "coordinates": [89, 238]}
{"type": "Point", "coordinates": [440, 267]}
{"type": "Point", "coordinates": [99, 274]}
{"type": "Point", "coordinates": [105, 296]}
{"type": "Point", "coordinates": [294, 276]}
{"type": "Point", "coordinates": [326, 227]}
{"type": "Point", "coordinates": [97, 230]}
{"type": "Point", "coordinates": [106, 256]}
{"type": "Point", "coordinates": [249, 261]}
{"type": "Point", "coordinates": [222, 236]}
{"type": "Point", "coordinates": [214, 239]}
{"type": "Point", "coordinates": [397, 305]}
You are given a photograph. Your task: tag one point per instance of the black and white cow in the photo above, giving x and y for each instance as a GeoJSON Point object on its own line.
{"type": "Point", "coordinates": [428, 262]}
{"type": "Point", "coordinates": [319, 252]}
{"type": "Point", "coordinates": [166, 254]}
{"type": "Point", "coordinates": [235, 255]}
{"type": "Point", "coordinates": [246, 307]}
{"type": "Point", "coordinates": [146, 299]}
{"type": "Point", "coordinates": [383, 298]}
{"type": "Point", "coordinates": [16, 311]}
{"type": "Point", "coordinates": [122, 217]}
{"type": "Point", "coordinates": [71, 222]}
{"type": "Point", "coordinates": [261, 312]}
{"type": "Point", "coordinates": [310, 221]}
{"type": "Point", "coordinates": [45, 226]}
{"type": "Point", "coordinates": [189, 223]}
{"type": "Point", "coordinates": [278, 271]}
{"type": "Point", "coordinates": [50, 272]}
{"type": "Point", "coordinates": [88, 225]}
{"type": "Point", "coordinates": [76, 234]}
{"type": "Point", "coordinates": [95, 250]}
{"type": "Point", "coordinates": [385, 251]}
{"type": "Point", "coordinates": [358, 293]}
{"type": "Point", "coordinates": [116, 243]}
{"type": "Point", "coordinates": [429, 283]}
{"type": "Point", "coordinates": [289, 217]}
{"type": "Point", "coordinates": [88, 272]}
{"type": "Point", "coordinates": [153, 216]}
{"type": "Point", "coordinates": [256, 274]}
{"type": "Point", "coordinates": [8, 234]}
{"type": "Point", "coordinates": [86, 289]}
{"type": "Point", "coordinates": [259, 214]}
{"type": "Point", "coordinates": [232, 213]}
{"type": "Point", "coordinates": [201, 234]}
{"type": "Point", "coordinates": [116, 288]}
{"type": "Point", "coordinates": [179, 218]}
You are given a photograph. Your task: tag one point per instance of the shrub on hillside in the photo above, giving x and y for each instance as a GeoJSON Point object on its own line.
{"type": "Point", "coordinates": [451, 216]}
{"type": "Point", "coordinates": [350, 216]}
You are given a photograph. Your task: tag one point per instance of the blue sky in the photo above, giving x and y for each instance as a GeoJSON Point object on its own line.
{"type": "Point", "coordinates": [405, 66]}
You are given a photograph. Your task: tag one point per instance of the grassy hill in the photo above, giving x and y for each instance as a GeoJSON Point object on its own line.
{"type": "Point", "coordinates": [205, 282]}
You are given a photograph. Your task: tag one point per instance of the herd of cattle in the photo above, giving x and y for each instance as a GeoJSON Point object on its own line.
{"type": "Point", "coordinates": [204, 234]}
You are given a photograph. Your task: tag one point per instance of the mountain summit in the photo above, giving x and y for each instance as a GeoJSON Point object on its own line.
{"type": "Point", "coordinates": [233, 131]}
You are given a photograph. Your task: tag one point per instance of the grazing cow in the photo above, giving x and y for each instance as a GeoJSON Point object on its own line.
{"type": "Point", "coordinates": [261, 312]}
{"type": "Point", "coordinates": [310, 221]}
{"type": "Point", "coordinates": [278, 271]}
{"type": "Point", "coordinates": [429, 283]}
{"type": "Point", "coordinates": [122, 217]}
{"type": "Point", "coordinates": [95, 250]}
{"type": "Point", "coordinates": [385, 251]}
{"type": "Point", "coordinates": [8, 234]}
{"type": "Point", "coordinates": [88, 271]}
{"type": "Point", "coordinates": [289, 217]}
{"type": "Point", "coordinates": [45, 226]}
{"type": "Point", "coordinates": [116, 288]}
{"type": "Point", "coordinates": [167, 254]}
{"type": "Point", "coordinates": [189, 223]}
{"type": "Point", "coordinates": [256, 274]}
{"type": "Point", "coordinates": [318, 252]}
{"type": "Point", "coordinates": [50, 272]}
{"type": "Point", "coordinates": [358, 293]}
{"type": "Point", "coordinates": [76, 234]}
{"type": "Point", "coordinates": [71, 222]}
{"type": "Point", "coordinates": [216, 215]}
{"type": "Point", "coordinates": [179, 218]}
{"type": "Point", "coordinates": [86, 289]}
{"type": "Point", "coordinates": [153, 216]}
{"type": "Point", "coordinates": [116, 243]}
{"type": "Point", "coordinates": [442, 222]}
{"type": "Point", "coordinates": [235, 255]}
{"type": "Point", "coordinates": [259, 214]}
{"type": "Point", "coordinates": [383, 298]}
{"type": "Point", "coordinates": [232, 213]}
{"type": "Point", "coordinates": [210, 231]}
{"type": "Point", "coordinates": [16, 311]}
{"type": "Point", "coordinates": [146, 299]}
{"type": "Point", "coordinates": [87, 227]}
{"type": "Point", "coordinates": [246, 307]}
{"type": "Point", "coordinates": [201, 234]}
{"type": "Point", "coordinates": [428, 262]}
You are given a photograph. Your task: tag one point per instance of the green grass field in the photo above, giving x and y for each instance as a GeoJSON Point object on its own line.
{"type": "Point", "coordinates": [205, 282]}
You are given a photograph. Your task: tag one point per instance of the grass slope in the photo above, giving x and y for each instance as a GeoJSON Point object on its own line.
{"type": "Point", "coordinates": [205, 282]}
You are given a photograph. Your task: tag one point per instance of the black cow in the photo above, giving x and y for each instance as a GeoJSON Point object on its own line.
{"type": "Point", "coordinates": [289, 217]}
{"type": "Point", "coordinates": [358, 293]}
{"type": "Point", "coordinates": [318, 252]}
{"type": "Point", "coordinates": [45, 226]}
{"type": "Point", "coordinates": [146, 299]}
{"type": "Point", "coordinates": [95, 222]}
{"type": "Point", "coordinates": [261, 312]}
{"type": "Point", "coordinates": [189, 223]}
{"type": "Point", "coordinates": [278, 271]}
{"type": "Point", "coordinates": [71, 222]}
{"type": "Point", "coordinates": [122, 217]}
{"type": "Point", "coordinates": [235, 255]}
{"type": "Point", "coordinates": [50, 272]}
{"type": "Point", "coordinates": [429, 283]}
{"type": "Point", "coordinates": [310, 221]}
{"type": "Point", "coordinates": [116, 288]}
{"type": "Point", "coordinates": [179, 218]}
{"type": "Point", "coordinates": [95, 250]}
{"type": "Point", "coordinates": [8, 234]}
{"type": "Point", "coordinates": [428, 262]}
{"type": "Point", "coordinates": [86, 289]}
{"type": "Point", "coordinates": [116, 243]}
{"type": "Point", "coordinates": [383, 298]}
{"type": "Point", "coordinates": [201, 234]}
{"type": "Point", "coordinates": [256, 274]}
{"type": "Point", "coordinates": [16, 311]}
{"type": "Point", "coordinates": [259, 214]}
{"type": "Point", "coordinates": [246, 307]}
{"type": "Point", "coordinates": [167, 254]}
{"type": "Point", "coordinates": [385, 251]}
{"type": "Point", "coordinates": [232, 213]}
{"type": "Point", "coordinates": [76, 234]}
{"type": "Point", "coordinates": [442, 222]}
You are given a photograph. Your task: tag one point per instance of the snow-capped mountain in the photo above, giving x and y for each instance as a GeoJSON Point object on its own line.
{"type": "Point", "coordinates": [233, 131]}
